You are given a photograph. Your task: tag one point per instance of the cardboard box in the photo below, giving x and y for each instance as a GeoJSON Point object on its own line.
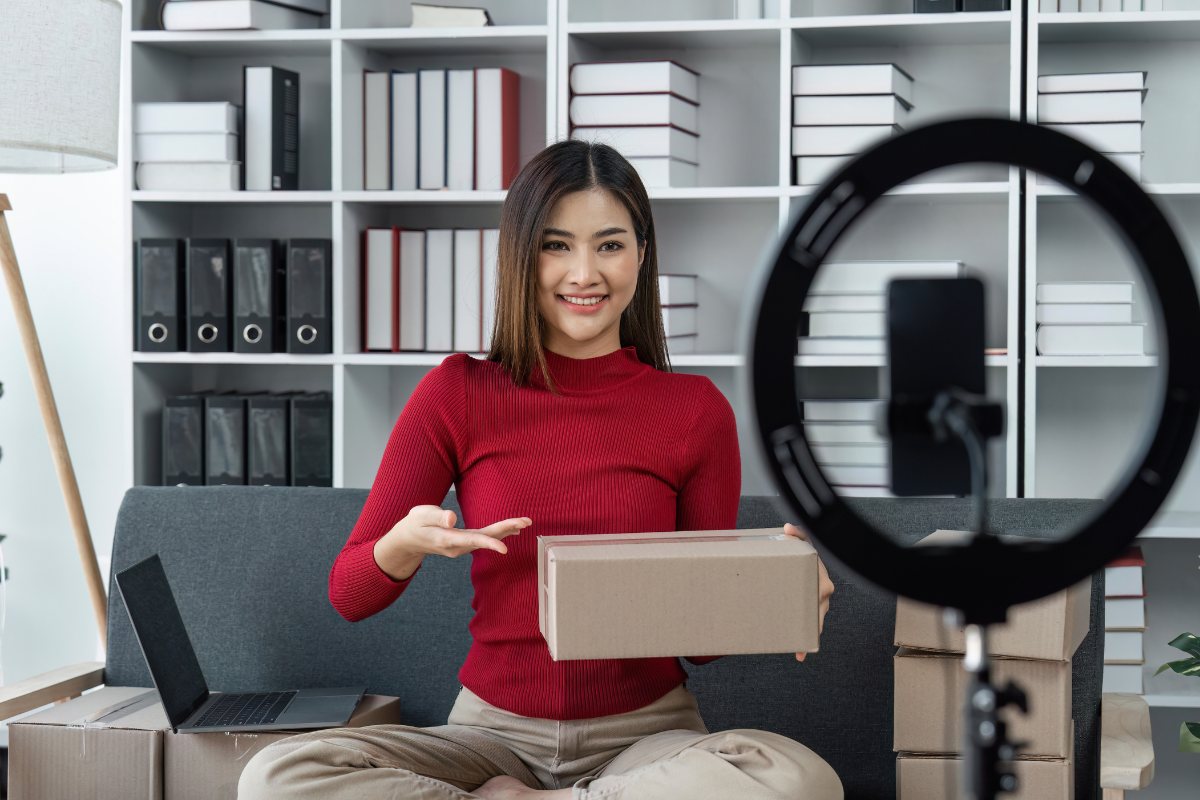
{"type": "Point", "coordinates": [1051, 628]}
{"type": "Point", "coordinates": [936, 777]}
{"type": "Point", "coordinates": [695, 593]}
{"type": "Point", "coordinates": [929, 703]}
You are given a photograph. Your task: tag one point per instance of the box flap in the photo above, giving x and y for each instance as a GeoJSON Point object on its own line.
{"type": "Point", "coordinates": [125, 707]}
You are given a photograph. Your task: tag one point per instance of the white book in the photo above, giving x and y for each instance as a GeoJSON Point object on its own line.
{"type": "Point", "coordinates": [811, 170]}
{"type": "Point", "coordinates": [379, 285]}
{"type": "Point", "coordinates": [845, 302]}
{"type": "Point", "coordinates": [1110, 5]}
{"type": "Point", "coordinates": [645, 140]}
{"type": "Point", "coordinates": [1124, 582]}
{"type": "Point", "coordinates": [679, 320]}
{"type": "Point", "coordinates": [1130, 162]}
{"type": "Point", "coordinates": [843, 433]}
{"type": "Point", "coordinates": [1106, 137]}
{"type": "Point", "coordinates": [412, 290]}
{"type": "Point", "coordinates": [873, 277]}
{"type": "Point", "coordinates": [661, 172]}
{"type": "Point", "coordinates": [1125, 678]}
{"type": "Point", "coordinates": [496, 127]}
{"type": "Point", "coordinates": [1089, 6]}
{"type": "Point", "coordinates": [681, 345]}
{"type": "Point", "coordinates": [404, 131]}
{"type": "Point", "coordinates": [1068, 6]}
{"type": "Point", "coordinates": [842, 346]}
{"type": "Point", "coordinates": [636, 77]}
{"type": "Point", "coordinates": [491, 252]}
{"type": "Point", "coordinates": [1084, 312]}
{"type": "Point", "coordinates": [460, 129]}
{"type": "Point", "coordinates": [425, 15]}
{"type": "Point", "coordinates": [676, 290]}
{"type": "Point", "coordinates": [229, 15]}
{"type": "Point", "coordinates": [1091, 340]}
{"type": "Point", "coordinates": [842, 410]}
{"type": "Point", "coordinates": [1092, 82]}
{"type": "Point", "coordinates": [185, 147]}
{"type": "Point", "coordinates": [608, 110]}
{"type": "Point", "coordinates": [857, 476]}
{"type": "Point", "coordinates": [1124, 613]}
{"type": "Point", "coordinates": [851, 79]}
{"type": "Point", "coordinates": [1131, 5]}
{"type": "Point", "coordinates": [311, 6]}
{"type": "Point", "coordinates": [862, 491]}
{"type": "Point", "coordinates": [859, 455]}
{"type": "Point", "coordinates": [847, 323]}
{"type": "Point", "coordinates": [439, 290]}
{"type": "Point", "coordinates": [468, 291]}
{"type": "Point", "coordinates": [377, 169]}
{"type": "Point", "coordinates": [1090, 107]}
{"type": "Point", "coordinates": [836, 140]}
{"type": "Point", "coordinates": [185, 117]}
{"type": "Point", "coordinates": [1085, 292]}
{"type": "Point", "coordinates": [1048, 6]}
{"type": "Point", "coordinates": [1152, 5]}
{"type": "Point", "coordinates": [863, 109]}
{"type": "Point", "coordinates": [431, 137]}
{"type": "Point", "coordinates": [189, 176]}
{"type": "Point", "coordinates": [1123, 647]}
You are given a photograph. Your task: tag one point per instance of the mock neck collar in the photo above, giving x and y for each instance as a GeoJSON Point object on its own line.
{"type": "Point", "coordinates": [577, 376]}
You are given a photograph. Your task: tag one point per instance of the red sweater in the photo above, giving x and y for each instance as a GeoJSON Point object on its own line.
{"type": "Point", "coordinates": [625, 448]}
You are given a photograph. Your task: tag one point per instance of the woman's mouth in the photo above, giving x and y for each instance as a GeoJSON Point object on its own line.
{"type": "Point", "coordinates": [583, 304]}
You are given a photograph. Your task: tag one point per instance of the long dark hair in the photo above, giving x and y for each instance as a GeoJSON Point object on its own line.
{"type": "Point", "coordinates": [562, 168]}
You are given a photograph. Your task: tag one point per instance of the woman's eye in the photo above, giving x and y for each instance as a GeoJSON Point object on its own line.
{"type": "Point", "coordinates": [611, 246]}
{"type": "Point", "coordinates": [555, 245]}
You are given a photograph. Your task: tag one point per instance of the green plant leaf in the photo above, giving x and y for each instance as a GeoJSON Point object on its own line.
{"type": "Point", "coordinates": [1185, 666]}
{"type": "Point", "coordinates": [1189, 737]}
{"type": "Point", "coordinates": [1188, 643]}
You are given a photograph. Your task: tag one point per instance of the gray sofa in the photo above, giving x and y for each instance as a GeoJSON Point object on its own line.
{"type": "Point", "coordinates": [249, 568]}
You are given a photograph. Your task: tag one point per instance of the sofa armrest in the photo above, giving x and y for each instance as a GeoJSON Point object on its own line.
{"type": "Point", "coordinates": [57, 684]}
{"type": "Point", "coordinates": [1126, 750]}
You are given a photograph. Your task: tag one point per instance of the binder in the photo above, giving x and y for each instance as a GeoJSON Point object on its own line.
{"type": "Point", "coordinates": [183, 441]}
{"type": "Point", "coordinates": [312, 439]}
{"type": "Point", "coordinates": [272, 141]}
{"type": "Point", "coordinates": [258, 289]}
{"type": "Point", "coordinates": [431, 133]}
{"type": "Point", "coordinates": [439, 290]}
{"type": "Point", "coordinates": [377, 146]}
{"type": "Point", "coordinates": [380, 287]}
{"type": "Point", "coordinates": [490, 279]}
{"type": "Point", "coordinates": [158, 294]}
{"type": "Point", "coordinates": [468, 291]}
{"type": "Point", "coordinates": [209, 298]}
{"type": "Point", "coordinates": [309, 296]}
{"type": "Point", "coordinates": [404, 131]}
{"type": "Point", "coordinates": [412, 290]}
{"type": "Point", "coordinates": [267, 439]}
{"type": "Point", "coordinates": [224, 440]}
{"type": "Point", "coordinates": [460, 129]}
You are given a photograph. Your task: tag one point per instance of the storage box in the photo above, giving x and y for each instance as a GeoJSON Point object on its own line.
{"type": "Point", "coordinates": [929, 703]}
{"type": "Point", "coordinates": [695, 593]}
{"type": "Point", "coordinates": [936, 777]}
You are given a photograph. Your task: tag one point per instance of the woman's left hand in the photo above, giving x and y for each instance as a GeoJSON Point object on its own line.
{"type": "Point", "coordinates": [824, 585]}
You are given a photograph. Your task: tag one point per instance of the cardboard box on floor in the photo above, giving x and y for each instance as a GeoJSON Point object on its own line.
{"type": "Point", "coordinates": [1051, 628]}
{"type": "Point", "coordinates": [693, 593]}
{"type": "Point", "coordinates": [929, 689]}
{"type": "Point", "coordinates": [109, 745]}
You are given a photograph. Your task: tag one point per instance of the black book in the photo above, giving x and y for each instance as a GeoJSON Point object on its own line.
{"type": "Point", "coordinates": [312, 439]}
{"type": "Point", "coordinates": [309, 295]}
{"type": "Point", "coordinates": [158, 294]}
{"type": "Point", "coordinates": [272, 138]}
{"type": "Point", "coordinates": [936, 6]}
{"type": "Point", "coordinates": [183, 441]}
{"type": "Point", "coordinates": [267, 440]}
{"type": "Point", "coordinates": [258, 286]}
{"type": "Point", "coordinates": [224, 440]}
{"type": "Point", "coordinates": [209, 295]}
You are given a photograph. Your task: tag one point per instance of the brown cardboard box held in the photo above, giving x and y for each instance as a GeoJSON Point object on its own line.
{"type": "Point", "coordinates": [929, 693]}
{"type": "Point", "coordinates": [687, 593]}
{"type": "Point", "coordinates": [206, 766]}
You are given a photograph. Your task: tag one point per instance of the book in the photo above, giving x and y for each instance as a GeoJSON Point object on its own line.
{"type": "Point", "coordinates": [635, 77]}
{"type": "Point", "coordinates": [380, 282]}
{"type": "Point", "coordinates": [1085, 292]}
{"type": "Point", "coordinates": [1125, 678]}
{"type": "Point", "coordinates": [1123, 577]}
{"type": "Point", "coordinates": [847, 323]}
{"type": "Point", "coordinates": [431, 133]}
{"type": "Point", "coordinates": [836, 140]}
{"type": "Point", "coordinates": [439, 290]}
{"type": "Point", "coordinates": [311, 6]}
{"type": "Point", "coordinates": [676, 290]}
{"type": "Point", "coordinates": [412, 290]}
{"type": "Point", "coordinates": [425, 15]}
{"type": "Point", "coordinates": [491, 247]}
{"type": "Point", "coordinates": [1084, 312]}
{"type": "Point", "coordinates": [497, 128]}
{"type": "Point", "coordinates": [842, 475]}
{"type": "Point", "coordinates": [189, 176]}
{"type": "Point", "coordinates": [224, 440]}
{"type": "Point", "coordinates": [841, 346]}
{"type": "Point", "coordinates": [1106, 137]}
{"type": "Point", "coordinates": [309, 296]}
{"type": "Point", "coordinates": [863, 109]}
{"type": "Point", "coordinates": [817, 169]}
{"type": "Point", "coordinates": [258, 294]}
{"type": "Point", "coordinates": [841, 410]}
{"type": "Point", "coordinates": [863, 455]}
{"type": "Point", "coordinates": [659, 172]}
{"type": "Point", "coordinates": [872, 277]}
{"type": "Point", "coordinates": [460, 129]}
{"type": "Point", "coordinates": [607, 110]}
{"type": "Point", "coordinates": [1092, 82]}
{"type": "Point", "coordinates": [158, 268]}
{"type": "Point", "coordinates": [404, 131]}
{"type": "Point", "coordinates": [228, 15]}
{"type": "Point", "coordinates": [186, 146]}
{"type": "Point", "coordinates": [1124, 613]}
{"type": "Point", "coordinates": [815, 304]}
{"type": "Point", "coordinates": [1123, 647]}
{"type": "Point", "coordinates": [377, 145]}
{"type": "Point", "coordinates": [862, 491]}
{"type": "Point", "coordinates": [267, 440]}
{"type": "Point", "coordinates": [186, 117]}
{"type": "Point", "coordinates": [209, 296]}
{"type": "Point", "coordinates": [679, 320]}
{"type": "Point", "coordinates": [852, 79]}
{"type": "Point", "coordinates": [1091, 340]}
{"type": "Point", "coordinates": [272, 141]}
{"type": "Point", "coordinates": [1130, 162]}
{"type": "Point", "coordinates": [311, 445]}
{"type": "Point", "coordinates": [645, 140]}
{"type": "Point", "coordinates": [843, 433]}
{"type": "Point", "coordinates": [468, 290]}
{"type": "Point", "coordinates": [183, 441]}
{"type": "Point", "coordinates": [1090, 107]}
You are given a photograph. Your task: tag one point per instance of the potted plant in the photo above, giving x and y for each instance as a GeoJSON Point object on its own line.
{"type": "Point", "coordinates": [1189, 732]}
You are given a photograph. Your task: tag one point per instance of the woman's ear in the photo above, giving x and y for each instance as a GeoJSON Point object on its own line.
{"type": "Point", "coordinates": [641, 254]}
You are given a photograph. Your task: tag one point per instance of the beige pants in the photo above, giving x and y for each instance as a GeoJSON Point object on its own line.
{"type": "Point", "coordinates": [660, 751]}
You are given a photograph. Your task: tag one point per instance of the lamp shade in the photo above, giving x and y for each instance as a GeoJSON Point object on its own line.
{"type": "Point", "coordinates": [60, 72]}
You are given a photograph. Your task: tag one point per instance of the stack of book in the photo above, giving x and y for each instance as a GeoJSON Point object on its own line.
{"type": "Point", "coordinates": [1064, 6]}
{"type": "Point", "coordinates": [677, 296]}
{"type": "Point", "coordinates": [1124, 623]}
{"type": "Point", "coordinates": [187, 146]}
{"type": "Point", "coordinates": [229, 15]}
{"type": "Point", "coordinates": [1103, 110]}
{"type": "Point", "coordinates": [452, 129]}
{"type": "Point", "coordinates": [846, 305]}
{"type": "Point", "coordinates": [648, 110]}
{"type": "Point", "coordinates": [838, 111]}
{"type": "Point", "coordinates": [847, 445]}
{"type": "Point", "coordinates": [1088, 318]}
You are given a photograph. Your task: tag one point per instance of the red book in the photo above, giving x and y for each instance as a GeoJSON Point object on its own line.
{"type": "Point", "coordinates": [497, 128]}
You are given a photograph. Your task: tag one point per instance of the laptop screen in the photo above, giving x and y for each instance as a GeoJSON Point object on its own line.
{"type": "Point", "coordinates": [164, 640]}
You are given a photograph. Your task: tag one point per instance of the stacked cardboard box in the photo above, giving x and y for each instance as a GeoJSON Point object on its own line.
{"type": "Point", "coordinates": [1124, 623]}
{"type": "Point", "coordinates": [1033, 650]}
{"type": "Point", "coordinates": [1103, 110]}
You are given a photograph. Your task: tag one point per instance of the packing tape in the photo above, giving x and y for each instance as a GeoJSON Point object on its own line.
{"type": "Point", "coordinates": [101, 718]}
{"type": "Point", "coordinates": [237, 736]}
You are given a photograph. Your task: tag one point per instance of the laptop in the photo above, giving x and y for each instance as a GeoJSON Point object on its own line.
{"type": "Point", "coordinates": [190, 706]}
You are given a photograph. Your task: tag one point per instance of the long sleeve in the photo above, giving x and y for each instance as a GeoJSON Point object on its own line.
{"type": "Point", "coordinates": [419, 465]}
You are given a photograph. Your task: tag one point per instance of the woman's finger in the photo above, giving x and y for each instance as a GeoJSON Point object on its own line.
{"type": "Point", "coordinates": [800, 656]}
{"type": "Point", "coordinates": [791, 530]}
{"type": "Point", "coordinates": [506, 527]}
{"type": "Point", "coordinates": [433, 516]}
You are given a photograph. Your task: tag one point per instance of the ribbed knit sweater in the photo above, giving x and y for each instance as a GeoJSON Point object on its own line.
{"type": "Point", "coordinates": [624, 448]}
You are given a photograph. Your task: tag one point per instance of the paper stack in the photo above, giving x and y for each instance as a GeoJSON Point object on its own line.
{"type": "Point", "coordinates": [1088, 318]}
{"type": "Point", "coordinates": [677, 296]}
{"type": "Point", "coordinates": [1101, 109]}
{"type": "Point", "coordinates": [838, 111]}
{"type": "Point", "coordinates": [1124, 623]}
{"type": "Point", "coordinates": [187, 146]}
{"type": "Point", "coordinates": [851, 453]}
{"type": "Point", "coordinates": [648, 110]}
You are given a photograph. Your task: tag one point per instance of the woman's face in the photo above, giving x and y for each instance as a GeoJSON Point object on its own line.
{"type": "Point", "coordinates": [587, 271]}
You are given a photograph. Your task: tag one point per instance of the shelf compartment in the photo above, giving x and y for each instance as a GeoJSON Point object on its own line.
{"type": "Point", "coordinates": [232, 220]}
{"type": "Point", "coordinates": [447, 41]}
{"type": "Point", "coordinates": [1112, 26]}
{"type": "Point", "coordinates": [391, 14]}
{"type": "Point", "coordinates": [902, 30]}
{"type": "Point", "coordinates": [959, 192]}
{"type": "Point", "coordinates": [677, 34]}
{"type": "Point", "coordinates": [238, 43]}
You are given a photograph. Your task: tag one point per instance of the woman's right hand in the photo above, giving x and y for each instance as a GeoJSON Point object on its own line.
{"type": "Point", "coordinates": [430, 529]}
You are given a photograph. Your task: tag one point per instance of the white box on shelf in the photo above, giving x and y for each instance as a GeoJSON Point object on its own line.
{"type": "Point", "coordinates": [843, 433]}
{"type": "Point", "coordinates": [861, 455]}
{"type": "Point", "coordinates": [862, 109]}
{"type": "Point", "coordinates": [663, 172]}
{"type": "Point", "coordinates": [815, 169]}
{"type": "Point", "coordinates": [1072, 107]}
{"type": "Point", "coordinates": [612, 110]}
{"type": "Point", "coordinates": [847, 323]}
{"type": "Point", "coordinates": [460, 129]}
{"type": "Point", "coordinates": [679, 320]}
{"type": "Point", "coordinates": [468, 290]}
{"type": "Point", "coordinates": [1124, 581]}
{"type": "Point", "coordinates": [1092, 82]}
{"type": "Point", "coordinates": [841, 346]}
{"type": "Point", "coordinates": [842, 410]}
{"type": "Point", "coordinates": [1091, 340]}
{"type": "Point", "coordinates": [1126, 678]}
{"type": "Point", "coordinates": [1130, 162]}
{"type": "Point", "coordinates": [1084, 312]}
{"type": "Point", "coordinates": [845, 302]}
{"type": "Point", "coordinates": [497, 126]}
{"type": "Point", "coordinates": [185, 117]}
{"type": "Point", "coordinates": [645, 140]}
{"type": "Point", "coordinates": [228, 15]}
{"type": "Point", "coordinates": [439, 290]}
{"type": "Point", "coordinates": [852, 79]}
{"type": "Point", "coordinates": [189, 176]}
{"type": "Point", "coordinates": [404, 131]}
{"type": "Point", "coordinates": [431, 121]}
{"type": "Point", "coordinates": [185, 147]}
{"type": "Point", "coordinates": [1125, 613]}
{"type": "Point", "coordinates": [635, 77]}
{"type": "Point", "coordinates": [425, 15]}
{"type": "Point", "coordinates": [377, 146]}
{"type": "Point", "coordinates": [1106, 137]}
{"type": "Point", "coordinates": [872, 277]}
{"type": "Point", "coordinates": [1085, 292]}
{"type": "Point", "coordinates": [412, 290]}
{"type": "Point", "coordinates": [837, 140]}
{"type": "Point", "coordinates": [676, 290]}
{"type": "Point", "coordinates": [1123, 647]}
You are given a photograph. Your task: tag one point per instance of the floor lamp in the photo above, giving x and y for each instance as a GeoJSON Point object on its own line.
{"type": "Point", "coordinates": [59, 107]}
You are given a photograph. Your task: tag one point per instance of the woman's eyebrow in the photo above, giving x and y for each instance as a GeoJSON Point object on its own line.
{"type": "Point", "coordinates": [608, 232]}
{"type": "Point", "coordinates": [558, 232]}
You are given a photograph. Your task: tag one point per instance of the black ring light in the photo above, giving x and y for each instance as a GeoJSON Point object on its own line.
{"type": "Point", "coordinates": [987, 577]}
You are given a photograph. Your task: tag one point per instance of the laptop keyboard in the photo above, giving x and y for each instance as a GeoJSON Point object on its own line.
{"type": "Point", "coordinates": [245, 709]}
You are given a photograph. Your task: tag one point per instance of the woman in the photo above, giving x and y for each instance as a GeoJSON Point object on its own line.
{"type": "Point", "coordinates": [573, 424]}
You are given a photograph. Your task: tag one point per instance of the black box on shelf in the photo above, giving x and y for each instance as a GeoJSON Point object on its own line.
{"type": "Point", "coordinates": [267, 439]}
{"type": "Point", "coordinates": [309, 296]}
{"type": "Point", "coordinates": [224, 440]}
{"type": "Point", "coordinates": [259, 282]}
{"type": "Point", "coordinates": [985, 5]}
{"type": "Point", "coordinates": [158, 266]}
{"type": "Point", "coordinates": [936, 6]}
{"type": "Point", "coordinates": [183, 441]}
{"type": "Point", "coordinates": [312, 439]}
{"type": "Point", "coordinates": [209, 295]}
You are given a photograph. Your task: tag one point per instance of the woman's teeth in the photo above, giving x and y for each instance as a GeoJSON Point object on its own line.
{"type": "Point", "coordinates": [583, 301]}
